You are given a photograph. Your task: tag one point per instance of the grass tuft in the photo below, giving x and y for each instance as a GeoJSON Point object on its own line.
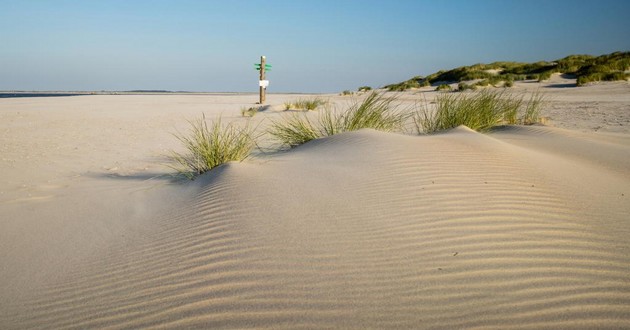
{"type": "Point", "coordinates": [294, 130]}
{"type": "Point", "coordinates": [308, 104]}
{"type": "Point", "coordinates": [444, 87]}
{"type": "Point", "coordinates": [531, 114]}
{"type": "Point", "coordinates": [375, 111]}
{"type": "Point", "coordinates": [210, 146]}
{"type": "Point", "coordinates": [479, 111]}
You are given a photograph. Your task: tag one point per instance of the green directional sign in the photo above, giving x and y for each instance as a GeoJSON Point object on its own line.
{"type": "Point", "coordinates": [257, 67]}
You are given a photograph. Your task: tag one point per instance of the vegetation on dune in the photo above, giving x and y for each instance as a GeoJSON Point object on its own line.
{"type": "Point", "coordinates": [444, 87]}
{"type": "Point", "coordinates": [479, 111]}
{"type": "Point", "coordinates": [305, 104]}
{"type": "Point", "coordinates": [415, 82]}
{"type": "Point", "coordinates": [375, 111]}
{"type": "Point", "coordinates": [585, 68]}
{"type": "Point", "coordinates": [210, 146]}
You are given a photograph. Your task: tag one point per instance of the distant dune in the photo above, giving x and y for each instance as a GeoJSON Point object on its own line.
{"type": "Point", "coordinates": [583, 68]}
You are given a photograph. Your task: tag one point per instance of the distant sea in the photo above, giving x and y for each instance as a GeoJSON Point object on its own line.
{"type": "Point", "coordinates": [4, 95]}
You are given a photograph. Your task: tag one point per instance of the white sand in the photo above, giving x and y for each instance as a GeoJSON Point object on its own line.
{"type": "Point", "coordinates": [523, 227]}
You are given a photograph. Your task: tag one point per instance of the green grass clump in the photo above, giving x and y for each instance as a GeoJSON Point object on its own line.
{"type": "Point", "coordinates": [375, 111]}
{"type": "Point", "coordinates": [544, 76]}
{"type": "Point", "coordinates": [464, 87]}
{"type": "Point", "coordinates": [598, 76]}
{"type": "Point", "coordinates": [444, 87]}
{"type": "Point", "coordinates": [210, 146]}
{"type": "Point", "coordinates": [531, 114]}
{"type": "Point", "coordinates": [308, 104]}
{"type": "Point", "coordinates": [364, 89]}
{"type": "Point", "coordinates": [295, 130]}
{"type": "Point", "coordinates": [479, 111]}
{"type": "Point", "coordinates": [346, 93]}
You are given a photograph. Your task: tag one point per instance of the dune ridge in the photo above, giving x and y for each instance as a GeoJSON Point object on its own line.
{"type": "Point", "coordinates": [375, 230]}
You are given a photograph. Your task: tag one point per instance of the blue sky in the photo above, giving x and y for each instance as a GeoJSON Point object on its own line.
{"type": "Point", "coordinates": [314, 46]}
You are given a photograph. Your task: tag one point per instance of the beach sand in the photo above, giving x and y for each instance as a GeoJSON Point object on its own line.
{"type": "Point", "coordinates": [522, 227]}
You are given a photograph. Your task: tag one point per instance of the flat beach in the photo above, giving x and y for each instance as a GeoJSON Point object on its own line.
{"type": "Point", "coordinates": [522, 227]}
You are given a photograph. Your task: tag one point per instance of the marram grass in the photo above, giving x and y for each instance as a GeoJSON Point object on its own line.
{"type": "Point", "coordinates": [210, 146]}
{"type": "Point", "coordinates": [375, 111]}
{"type": "Point", "coordinates": [479, 111]}
{"type": "Point", "coordinates": [307, 104]}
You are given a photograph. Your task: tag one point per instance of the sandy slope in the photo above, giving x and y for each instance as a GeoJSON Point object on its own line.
{"type": "Point", "coordinates": [524, 227]}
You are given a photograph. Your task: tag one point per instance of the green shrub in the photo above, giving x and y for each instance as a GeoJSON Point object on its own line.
{"type": "Point", "coordinates": [346, 92]}
{"type": "Point", "coordinates": [210, 146]}
{"type": "Point", "coordinates": [364, 89]}
{"type": "Point", "coordinates": [508, 83]}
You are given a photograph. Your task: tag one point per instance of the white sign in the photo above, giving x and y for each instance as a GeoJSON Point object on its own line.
{"type": "Point", "coordinates": [263, 83]}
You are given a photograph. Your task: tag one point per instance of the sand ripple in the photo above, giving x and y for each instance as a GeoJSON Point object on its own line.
{"type": "Point", "coordinates": [375, 230]}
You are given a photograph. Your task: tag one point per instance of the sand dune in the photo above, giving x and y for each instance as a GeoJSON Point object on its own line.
{"type": "Point", "coordinates": [526, 227]}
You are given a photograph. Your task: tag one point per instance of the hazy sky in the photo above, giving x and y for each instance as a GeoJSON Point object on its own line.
{"type": "Point", "coordinates": [314, 46]}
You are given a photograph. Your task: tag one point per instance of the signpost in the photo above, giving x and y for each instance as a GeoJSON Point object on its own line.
{"type": "Point", "coordinates": [262, 83]}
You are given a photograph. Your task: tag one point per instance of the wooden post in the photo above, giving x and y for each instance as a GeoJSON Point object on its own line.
{"type": "Point", "coordinates": [262, 77]}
